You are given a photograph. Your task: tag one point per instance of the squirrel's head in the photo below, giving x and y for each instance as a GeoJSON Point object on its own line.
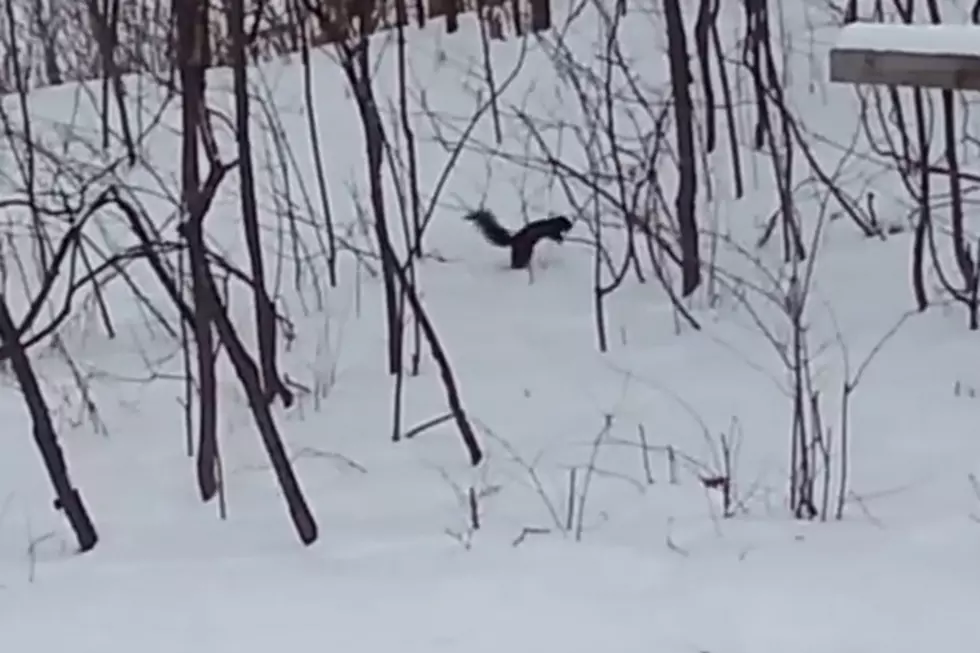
{"type": "Point", "coordinates": [564, 226]}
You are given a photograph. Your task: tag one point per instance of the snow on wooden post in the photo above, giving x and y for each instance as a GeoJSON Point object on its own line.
{"type": "Point", "coordinates": [930, 56]}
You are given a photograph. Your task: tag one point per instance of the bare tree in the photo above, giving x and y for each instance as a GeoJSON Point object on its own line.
{"type": "Point", "coordinates": [68, 499]}
{"type": "Point", "coordinates": [398, 282]}
{"type": "Point", "coordinates": [209, 312]}
{"type": "Point", "coordinates": [264, 310]}
{"type": "Point", "coordinates": [680, 80]}
{"type": "Point", "coordinates": [193, 58]}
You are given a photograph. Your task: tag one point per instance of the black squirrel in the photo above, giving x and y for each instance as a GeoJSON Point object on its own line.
{"type": "Point", "coordinates": [522, 242]}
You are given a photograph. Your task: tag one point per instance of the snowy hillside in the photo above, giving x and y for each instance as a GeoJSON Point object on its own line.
{"type": "Point", "coordinates": [782, 462]}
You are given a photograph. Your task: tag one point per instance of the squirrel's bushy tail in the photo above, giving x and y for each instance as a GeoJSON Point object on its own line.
{"type": "Point", "coordinates": [492, 230]}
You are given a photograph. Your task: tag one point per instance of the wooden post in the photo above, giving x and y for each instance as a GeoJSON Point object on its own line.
{"type": "Point", "coordinates": [927, 56]}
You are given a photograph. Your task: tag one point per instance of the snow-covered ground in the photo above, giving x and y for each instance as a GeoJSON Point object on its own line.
{"type": "Point", "coordinates": [636, 554]}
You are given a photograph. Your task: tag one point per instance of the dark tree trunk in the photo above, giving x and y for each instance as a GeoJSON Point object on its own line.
{"type": "Point", "coordinates": [680, 81]}
{"type": "Point", "coordinates": [265, 315]}
{"type": "Point", "coordinates": [193, 57]}
{"type": "Point", "coordinates": [68, 500]}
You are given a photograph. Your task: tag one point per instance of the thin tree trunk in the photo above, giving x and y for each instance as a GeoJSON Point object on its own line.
{"type": "Point", "coordinates": [680, 80]}
{"type": "Point", "coordinates": [265, 315]}
{"type": "Point", "coordinates": [68, 498]}
{"type": "Point", "coordinates": [193, 56]}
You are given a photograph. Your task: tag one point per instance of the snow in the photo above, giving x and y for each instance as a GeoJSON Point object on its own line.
{"type": "Point", "coordinates": [646, 564]}
{"type": "Point", "coordinates": [961, 40]}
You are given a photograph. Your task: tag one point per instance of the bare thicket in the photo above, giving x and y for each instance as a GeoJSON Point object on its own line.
{"type": "Point", "coordinates": [654, 153]}
{"type": "Point", "coordinates": [658, 145]}
{"type": "Point", "coordinates": [924, 137]}
{"type": "Point", "coordinates": [197, 309]}
{"type": "Point", "coordinates": [173, 48]}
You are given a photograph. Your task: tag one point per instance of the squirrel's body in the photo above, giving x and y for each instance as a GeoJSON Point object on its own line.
{"type": "Point", "coordinates": [522, 242]}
